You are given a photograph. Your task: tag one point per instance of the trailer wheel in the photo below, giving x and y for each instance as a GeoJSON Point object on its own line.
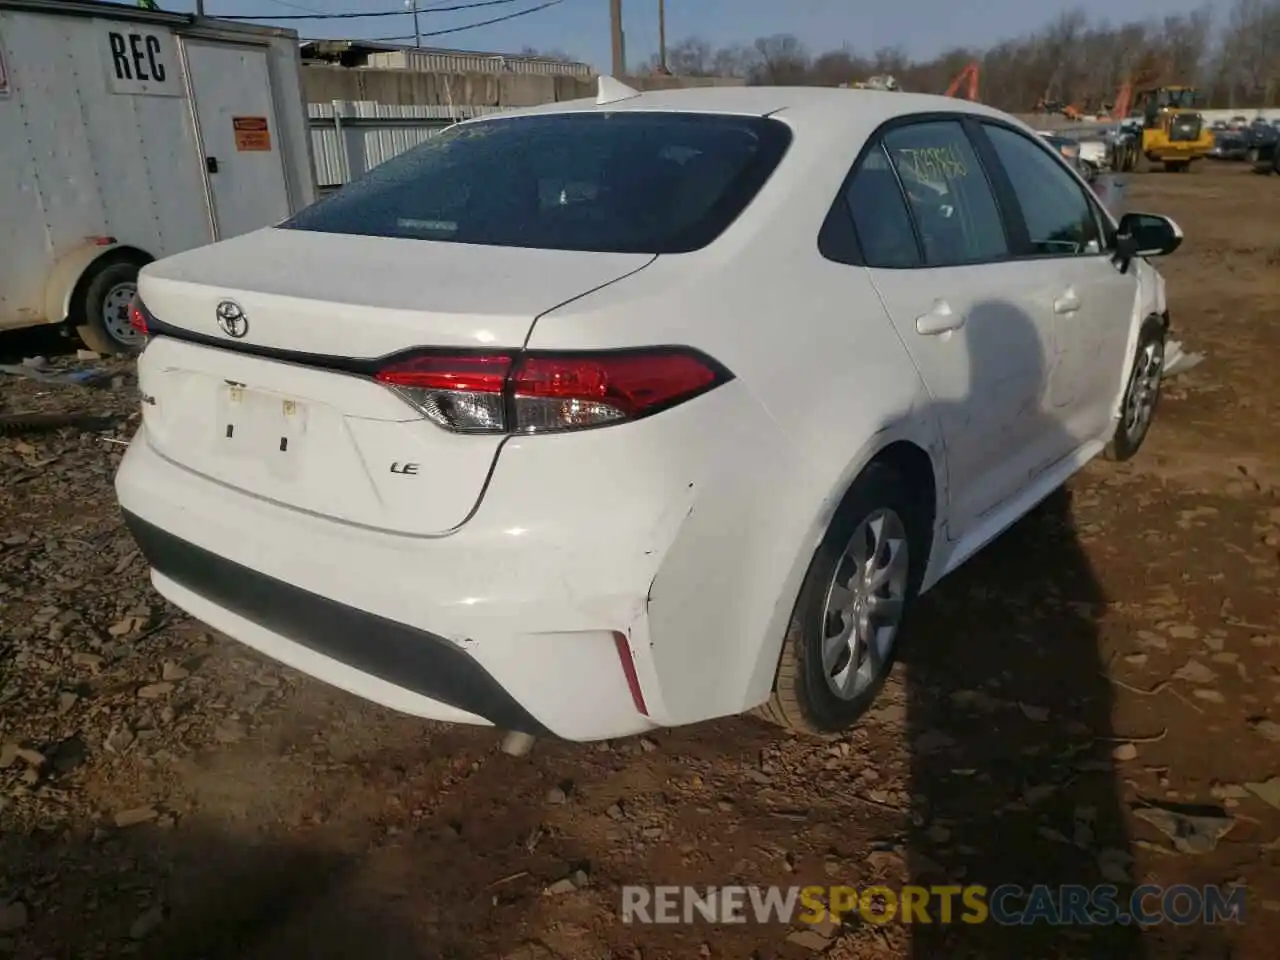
{"type": "Point", "coordinates": [101, 309]}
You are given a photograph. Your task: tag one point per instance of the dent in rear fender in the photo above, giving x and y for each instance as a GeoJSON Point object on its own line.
{"type": "Point", "coordinates": [720, 603]}
{"type": "Point", "coordinates": [712, 595]}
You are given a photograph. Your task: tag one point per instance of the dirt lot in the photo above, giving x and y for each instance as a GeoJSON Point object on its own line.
{"type": "Point", "coordinates": [165, 793]}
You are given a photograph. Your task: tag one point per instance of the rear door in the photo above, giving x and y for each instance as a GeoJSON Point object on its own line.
{"type": "Point", "coordinates": [231, 88]}
{"type": "Point", "coordinates": [933, 238]}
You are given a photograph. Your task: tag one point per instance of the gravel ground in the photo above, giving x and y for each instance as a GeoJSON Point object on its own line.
{"type": "Point", "coordinates": [1095, 698]}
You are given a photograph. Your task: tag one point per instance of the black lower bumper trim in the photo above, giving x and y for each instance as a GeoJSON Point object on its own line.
{"type": "Point", "coordinates": [395, 652]}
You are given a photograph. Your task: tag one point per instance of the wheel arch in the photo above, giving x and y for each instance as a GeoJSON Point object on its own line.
{"type": "Point", "coordinates": [915, 450]}
{"type": "Point", "coordinates": [70, 276]}
{"type": "Point", "coordinates": [1150, 309]}
{"type": "Point", "coordinates": [913, 463]}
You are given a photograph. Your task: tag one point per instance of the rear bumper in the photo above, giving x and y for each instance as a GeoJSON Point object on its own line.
{"type": "Point", "coordinates": [460, 629]}
{"type": "Point", "coordinates": [413, 660]}
{"type": "Point", "coordinates": [514, 618]}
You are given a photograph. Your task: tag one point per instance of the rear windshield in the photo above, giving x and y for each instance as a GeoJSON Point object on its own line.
{"type": "Point", "coordinates": [628, 182]}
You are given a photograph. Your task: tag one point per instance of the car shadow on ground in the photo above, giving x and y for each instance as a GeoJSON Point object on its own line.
{"type": "Point", "coordinates": [43, 341]}
{"type": "Point", "coordinates": [1009, 712]}
{"type": "Point", "coordinates": [193, 892]}
{"type": "Point", "coordinates": [1009, 718]}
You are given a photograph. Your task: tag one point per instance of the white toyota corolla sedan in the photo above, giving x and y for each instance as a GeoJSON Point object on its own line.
{"type": "Point", "coordinates": [632, 412]}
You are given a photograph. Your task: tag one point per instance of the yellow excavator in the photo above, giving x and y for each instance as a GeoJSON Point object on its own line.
{"type": "Point", "coordinates": [1173, 131]}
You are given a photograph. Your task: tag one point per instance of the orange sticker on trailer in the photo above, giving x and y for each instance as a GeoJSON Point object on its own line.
{"type": "Point", "coordinates": [252, 133]}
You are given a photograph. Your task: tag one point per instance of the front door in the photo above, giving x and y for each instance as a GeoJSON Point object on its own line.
{"type": "Point", "coordinates": [1091, 302]}
{"type": "Point", "coordinates": [231, 89]}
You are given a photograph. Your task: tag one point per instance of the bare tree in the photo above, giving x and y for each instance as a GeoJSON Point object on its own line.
{"type": "Point", "coordinates": [890, 60]}
{"type": "Point", "coordinates": [1250, 58]}
{"type": "Point", "coordinates": [836, 68]}
{"type": "Point", "coordinates": [783, 60]}
{"type": "Point", "coordinates": [1186, 45]}
{"type": "Point", "coordinates": [1070, 60]}
{"type": "Point", "coordinates": [735, 61]}
{"type": "Point", "coordinates": [552, 54]}
{"type": "Point", "coordinates": [690, 57]}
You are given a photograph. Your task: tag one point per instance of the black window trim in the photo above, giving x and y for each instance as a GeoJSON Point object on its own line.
{"type": "Point", "coordinates": [1100, 216]}
{"type": "Point", "coordinates": [838, 237]}
{"type": "Point", "coordinates": [834, 232]}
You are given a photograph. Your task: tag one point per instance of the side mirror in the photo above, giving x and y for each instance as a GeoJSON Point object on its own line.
{"type": "Point", "coordinates": [1147, 235]}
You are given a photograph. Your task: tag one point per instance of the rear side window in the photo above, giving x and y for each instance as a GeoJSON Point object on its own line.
{"type": "Point", "coordinates": [880, 217]}
{"type": "Point", "coordinates": [628, 182]}
{"type": "Point", "coordinates": [953, 206]}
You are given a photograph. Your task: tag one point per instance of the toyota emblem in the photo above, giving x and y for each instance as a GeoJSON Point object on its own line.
{"type": "Point", "coordinates": [231, 319]}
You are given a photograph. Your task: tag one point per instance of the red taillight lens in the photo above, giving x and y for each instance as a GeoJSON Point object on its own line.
{"type": "Point", "coordinates": [536, 393]}
{"type": "Point", "coordinates": [463, 393]}
{"type": "Point", "coordinates": [138, 316]}
{"type": "Point", "coordinates": [556, 393]}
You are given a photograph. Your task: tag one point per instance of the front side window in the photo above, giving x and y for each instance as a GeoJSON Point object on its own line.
{"type": "Point", "coordinates": [628, 182]}
{"type": "Point", "coordinates": [1060, 220]}
{"type": "Point", "coordinates": [951, 201]}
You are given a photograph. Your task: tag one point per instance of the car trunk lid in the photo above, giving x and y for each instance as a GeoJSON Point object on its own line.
{"type": "Point", "coordinates": [284, 406]}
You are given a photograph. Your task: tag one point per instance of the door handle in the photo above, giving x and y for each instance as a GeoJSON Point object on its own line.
{"type": "Point", "coordinates": [1067, 303]}
{"type": "Point", "coordinates": [941, 319]}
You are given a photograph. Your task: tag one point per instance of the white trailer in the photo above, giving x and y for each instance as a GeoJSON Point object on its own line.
{"type": "Point", "coordinates": [127, 135]}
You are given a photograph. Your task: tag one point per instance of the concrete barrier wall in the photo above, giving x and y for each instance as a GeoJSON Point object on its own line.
{"type": "Point", "coordinates": [660, 82]}
{"type": "Point", "coordinates": [322, 83]}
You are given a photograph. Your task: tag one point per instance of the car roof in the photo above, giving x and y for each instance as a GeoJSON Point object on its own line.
{"type": "Point", "coordinates": [795, 104]}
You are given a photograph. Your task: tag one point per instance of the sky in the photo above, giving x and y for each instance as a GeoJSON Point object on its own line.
{"type": "Point", "coordinates": [581, 27]}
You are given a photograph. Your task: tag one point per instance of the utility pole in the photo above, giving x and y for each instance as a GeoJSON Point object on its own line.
{"type": "Point", "coordinates": [662, 36]}
{"type": "Point", "coordinates": [417, 33]}
{"type": "Point", "coordinates": [619, 41]}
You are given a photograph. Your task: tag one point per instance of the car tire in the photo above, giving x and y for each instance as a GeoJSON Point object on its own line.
{"type": "Point", "coordinates": [1141, 394]}
{"type": "Point", "coordinates": [99, 307]}
{"type": "Point", "coordinates": [804, 697]}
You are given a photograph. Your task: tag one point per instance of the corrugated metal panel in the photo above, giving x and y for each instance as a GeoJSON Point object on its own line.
{"type": "Point", "coordinates": [392, 60]}
{"type": "Point", "coordinates": [448, 61]}
{"type": "Point", "coordinates": [347, 138]}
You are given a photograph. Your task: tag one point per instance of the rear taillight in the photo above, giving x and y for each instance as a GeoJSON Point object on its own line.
{"type": "Point", "coordinates": [138, 316]}
{"type": "Point", "coordinates": [539, 392]}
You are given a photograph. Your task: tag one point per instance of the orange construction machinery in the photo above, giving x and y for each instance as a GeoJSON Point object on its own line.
{"type": "Point", "coordinates": [1124, 100]}
{"type": "Point", "coordinates": [968, 79]}
{"type": "Point", "coordinates": [1117, 111]}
